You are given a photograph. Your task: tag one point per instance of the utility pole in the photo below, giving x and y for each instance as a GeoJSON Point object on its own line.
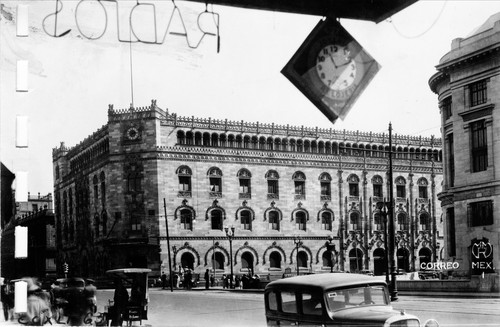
{"type": "Point", "coordinates": [168, 247]}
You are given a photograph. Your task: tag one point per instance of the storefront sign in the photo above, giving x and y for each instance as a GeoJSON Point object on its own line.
{"type": "Point", "coordinates": [482, 256]}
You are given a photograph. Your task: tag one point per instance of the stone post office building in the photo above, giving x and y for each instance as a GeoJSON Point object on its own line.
{"type": "Point", "coordinates": [272, 183]}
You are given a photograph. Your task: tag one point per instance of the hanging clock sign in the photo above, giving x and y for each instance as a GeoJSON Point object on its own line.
{"type": "Point", "coordinates": [331, 69]}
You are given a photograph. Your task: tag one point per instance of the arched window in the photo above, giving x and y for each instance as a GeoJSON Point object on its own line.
{"type": "Point", "coordinates": [262, 143]}
{"type": "Point", "coordinates": [425, 221]}
{"type": "Point", "coordinates": [216, 219]}
{"type": "Point", "coordinates": [272, 178]}
{"type": "Point", "coordinates": [186, 219]}
{"type": "Point", "coordinates": [301, 220]}
{"type": "Point", "coordinates": [245, 177]}
{"type": "Point", "coordinates": [189, 138]}
{"type": "Point", "coordinates": [274, 220]}
{"type": "Point", "coordinates": [246, 142]}
{"type": "Point", "coordinates": [275, 260]}
{"type": "Point", "coordinates": [95, 181]}
{"type": "Point", "coordinates": [215, 182]}
{"type": "Point", "coordinates": [355, 260]}
{"type": "Point", "coordinates": [102, 178]}
{"type": "Point", "coordinates": [400, 187]}
{"type": "Point", "coordinates": [181, 140]}
{"type": "Point", "coordinates": [377, 220]}
{"type": "Point", "coordinates": [96, 225]}
{"type": "Point", "coordinates": [214, 140]}
{"type": "Point", "coordinates": [239, 141]}
{"type": "Point", "coordinates": [355, 220]}
{"type": "Point", "coordinates": [378, 190]}
{"type": "Point", "coordinates": [206, 139]}
{"type": "Point", "coordinates": [246, 219]}
{"type": "Point", "coordinates": [325, 181]}
{"type": "Point", "coordinates": [422, 188]}
{"type": "Point", "coordinates": [326, 220]}
{"type": "Point", "coordinates": [134, 181]}
{"type": "Point", "coordinates": [184, 174]}
{"type": "Point", "coordinates": [299, 179]}
{"type": "Point", "coordinates": [402, 219]}
{"type": "Point", "coordinates": [353, 181]}
{"type": "Point", "coordinates": [300, 146]}
{"type": "Point", "coordinates": [198, 139]}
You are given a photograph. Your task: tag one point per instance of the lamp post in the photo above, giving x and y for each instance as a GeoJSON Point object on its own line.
{"type": "Point", "coordinates": [382, 206]}
{"type": "Point", "coordinates": [230, 236]}
{"type": "Point", "coordinates": [390, 227]}
{"type": "Point", "coordinates": [330, 247]}
{"type": "Point", "coordinates": [298, 243]}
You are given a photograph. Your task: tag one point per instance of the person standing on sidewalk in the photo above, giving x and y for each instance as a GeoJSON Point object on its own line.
{"type": "Point", "coordinates": [207, 279]}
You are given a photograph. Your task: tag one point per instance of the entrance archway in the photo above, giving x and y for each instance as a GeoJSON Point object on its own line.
{"type": "Point", "coordinates": [302, 259]}
{"type": "Point", "coordinates": [275, 259]}
{"type": "Point", "coordinates": [218, 260]}
{"type": "Point", "coordinates": [379, 263]}
{"type": "Point", "coordinates": [355, 260]}
{"type": "Point", "coordinates": [187, 260]}
{"type": "Point", "coordinates": [403, 259]}
{"type": "Point", "coordinates": [247, 261]}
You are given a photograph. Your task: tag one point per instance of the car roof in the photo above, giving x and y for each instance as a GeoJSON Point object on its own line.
{"type": "Point", "coordinates": [325, 281]}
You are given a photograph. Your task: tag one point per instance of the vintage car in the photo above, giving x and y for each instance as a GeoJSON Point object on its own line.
{"type": "Point", "coordinates": [74, 298]}
{"type": "Point", "coordinates": [339, 299]}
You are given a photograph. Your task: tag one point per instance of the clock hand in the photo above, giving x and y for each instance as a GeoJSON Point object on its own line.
{"type": "Point", "coordinates": [347, 63]}
{"type": "Point", "coordinates": [333, 61]}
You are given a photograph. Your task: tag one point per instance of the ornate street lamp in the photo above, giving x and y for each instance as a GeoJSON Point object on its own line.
{"type": "Point", "coordinates": [391, 232]}
{"type": "Point", "coordinates": [382, 206]}
{"type": "Point", "coordinates": [330, 247]}
{"type": "Point", "coordinates": [298, 243]}
{"type": "Point", "coordinates": [230, 236]}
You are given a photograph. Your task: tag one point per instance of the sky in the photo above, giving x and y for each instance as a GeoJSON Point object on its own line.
{"type": "Point", "coordinates": [72, 79]}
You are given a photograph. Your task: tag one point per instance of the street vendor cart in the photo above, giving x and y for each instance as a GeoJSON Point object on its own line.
{"type": "Point", "coordinates": [135, 280]}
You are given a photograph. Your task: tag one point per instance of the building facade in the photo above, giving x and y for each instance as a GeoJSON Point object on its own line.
{"type": "Point", "coordinates": [287, 191]}
{"type": "Point", "coordinates": [468, 87]}
{"type": "Point", "coordinates": [37, 215]}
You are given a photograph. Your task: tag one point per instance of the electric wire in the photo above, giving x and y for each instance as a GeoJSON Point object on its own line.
{"type": "Point", "coordinates": [425, 31]}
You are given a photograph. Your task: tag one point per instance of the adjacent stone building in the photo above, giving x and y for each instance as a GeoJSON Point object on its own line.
{"type": "Point", "coordinates": [468, 88]}
{"type": "Point", "coordinates": [117, 190]}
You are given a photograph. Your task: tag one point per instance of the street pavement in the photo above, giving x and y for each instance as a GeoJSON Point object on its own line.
{"type": "Point", "coordinates": [240, 308]}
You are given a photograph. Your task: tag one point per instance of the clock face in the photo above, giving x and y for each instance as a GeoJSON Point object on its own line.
{"type": "Point", "coordinates": [335, 67]}
{"type": "Point", "coordinates": [331, 68]}
{"type": "Point", "coordinates": [132, 133]}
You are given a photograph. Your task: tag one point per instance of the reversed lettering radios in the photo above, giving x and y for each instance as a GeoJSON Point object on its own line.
{"type": "Point", "coordinates": [153, 37]}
